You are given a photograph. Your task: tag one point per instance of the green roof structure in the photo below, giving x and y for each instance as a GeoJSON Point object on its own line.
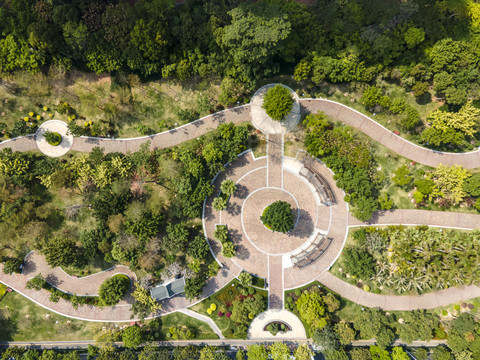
{"type": "Point", "coordinates": [169, 289]}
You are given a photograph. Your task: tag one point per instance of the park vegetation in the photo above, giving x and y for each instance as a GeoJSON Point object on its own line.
{"type": "Point", "coordinates": [278, 102]}
{"type": "Point", "coordinates": [279, 217]}
{"type": "Point", "coordinates": [412, 259]}
{"type": "Point", "coordinates": [88, 212]}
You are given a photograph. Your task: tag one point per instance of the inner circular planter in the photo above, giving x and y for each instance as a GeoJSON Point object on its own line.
{"type": "Point", "coordinates": [54, 138]}
{"type": "Point", "coordinates": [278, 217]}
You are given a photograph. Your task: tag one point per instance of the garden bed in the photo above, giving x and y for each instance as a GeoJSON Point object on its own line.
{"type": "Point", "coordinates": [222, 309]}
{"type": "Point", "coordinates": [274, 327]}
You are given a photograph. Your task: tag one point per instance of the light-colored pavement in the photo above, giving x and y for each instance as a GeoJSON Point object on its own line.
{"type": "Point", "coordinates": [54, 126]}
{"type": "Point", "coordinates": [387, 138]}
{"type": "Point", "coordinates": [256, 332]}
{"type": "Point", "coordinates": [265, 123]}
{"type": "Point", "coordinates": [240, 114]}
{"type": "Point", "coordinates": [446, 219]}
{"type": "Point", "coordinates": [205, 319]}
{"type": "Point", "coordinates": [398, 302]}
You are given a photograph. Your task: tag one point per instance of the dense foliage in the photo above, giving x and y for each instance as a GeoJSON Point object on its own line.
{"type": "Point", "coordinates": [351, 160]}
{"type": "Point", "coordinates": [277, 102]}
{"type": "Point", "coordinates": [113, 289]}
{"type": "Point", "coordinates": [414, 259]}
{"type": "Point", "coordinates": [137, 209]}
{"type": "Point", "coordinates": [278, 217]}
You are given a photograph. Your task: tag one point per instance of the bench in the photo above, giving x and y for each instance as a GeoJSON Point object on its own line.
{"type": "Point", "coordinates": [316, 254]}
{"type": "Point", "coordinates": [324, 183]}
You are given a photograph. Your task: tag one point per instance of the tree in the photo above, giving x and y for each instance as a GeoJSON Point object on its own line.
{"type": "Point", "coordinates": [194, 286]}
{"type": "Point", "coordinates": [198, 248]}
{"type": "Point", "coordinates": [279, 351]}
{"type": "Point", "coordinates": [228, 249]}
{"type": "Point", "coordinates": [360, 354]}
{"type": "Point", "coordinates": [219, 203]}
{"type": "Point", "coordinates": [278, 102]}
{"type": "Point", "coordinates": [12, 265]}
{"type": "Point", "coordinates": [311, 309]}
{"type": "Point", "coordinates": [228, 187]}
{"type": "Point", "coordinates": [402, 176]}
{"type": "Point", "coordinates": [345, 333]}
{"type": "Point", "coordinates": [417, 325]}
{"type": "Point", "coordinates": [378, 353]}
{"type": "Point", "coordinates": [326, 338]}
{"type": "Point", "coordinates": [303, 352]}
{"type": "Point", "coordinates": [176, 239]}
{"type": "Point", "coordinates": [150, 38]}
{"type": "Point", "coordinates": [359, 262]}
{"type": "Point", "coordinates": [253, 37]}
{"type": "Point", "coordinates": [60, 251]}
{"type": "Point", "coordinates": [37, 283]}
{"type": "Point", "coordinates": [144, 303]}
{"type": "Point", "coordinates": [113, 289]}
{"type": "Point", "coordinates": [399, 354]}
{"type": "Point", "coordinates": [240, 355]}
{"type": "Point", "coordinates": [278, 217]}
{"type": "Point", "coordinates": [335, 354]}
{"type": "Point", "coordinates": [53, 138]}
{"type": "Point", "coordinates": [185, 352]}
{"type": "Point", "coordinates": [257, 352]}
{"type": "Point", "coordinates": [441, 353]}
{"type": "Point", "coordinates": [245, 278]}
{"type": "Point", "coordinates": [471, 185]}
{"type": "Point", "coordinates": [152, 352]}
{"type": "Point", "coordinates": [449, 181]}
{"type": "Point", "coordinates": [244, 310]}
{"type": "Point", "coordinates": [414, 36]}
{"type": "Point", "coordinates": [371, 322]}
{"type": "Point", "coordinates": [133, 337]}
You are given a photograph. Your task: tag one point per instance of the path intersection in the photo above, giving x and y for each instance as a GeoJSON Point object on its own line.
{"type": "Point", "coordinates": [322, 218]}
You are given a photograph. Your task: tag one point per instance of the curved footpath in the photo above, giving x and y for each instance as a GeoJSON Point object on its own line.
{"type": "Point", "coordinates": [408, 302]}
{"type": "Point", "coordinates": [241, 114]}
{"type": "Point", "coordinates": [88, 285]}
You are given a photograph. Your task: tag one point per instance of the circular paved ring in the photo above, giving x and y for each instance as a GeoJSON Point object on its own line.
{"type": "Point", "coordinates": [54, 126]}
{"type": "Point", "coordinates": [265, 123]}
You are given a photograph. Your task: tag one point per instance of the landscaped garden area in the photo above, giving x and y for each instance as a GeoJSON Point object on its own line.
{"type": "Point", "coordinates": [399, 259]}
{"type": "Point", "coordinates": [234, 307]}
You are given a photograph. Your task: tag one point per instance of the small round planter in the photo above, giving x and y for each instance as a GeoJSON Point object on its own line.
{"type": "Point", "coordinates": [55, 141]}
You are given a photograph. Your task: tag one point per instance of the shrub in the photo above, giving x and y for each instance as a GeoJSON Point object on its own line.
{"type": "Point", "coordinates": [278, 102]}
{"type": "Point", "coordinates": [53, 138]}
{"type": "Point", "coordinates": [289, 299]}
{"type": "Point", "coordinates": [298, 292]}
{"type": "Point", "coordinates": [359, 262]}
{"type": "Point", "coordinates": [36, 283]}
{"type": "Point", "coordinates": [113, 289]}
{"type": "Point", "coordinates": [278, 217]}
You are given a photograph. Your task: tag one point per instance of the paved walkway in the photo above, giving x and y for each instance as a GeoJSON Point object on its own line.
{"type": "Point", "coordinates": [387, 138]}
{"type": "Point", "coordinates": [204, 318]}
{"type": "Point", "coordinates": [399, 302]}
{"type": "Point", "coordinates": [421, 217]}
{"type": "Point", "coordinates": [240, 114]}
{"type": "Point", "coordinates": [54, 126]}
{"type": "Point", "coordinates": [274, 160]}
{"type": "Point", "coordinates": [265, 123]}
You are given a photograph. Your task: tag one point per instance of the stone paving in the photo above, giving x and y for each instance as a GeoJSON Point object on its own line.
{"type": "Point", "coordinates": [258, 256]}
{"type": "Point", "coordinates": [54, 126]}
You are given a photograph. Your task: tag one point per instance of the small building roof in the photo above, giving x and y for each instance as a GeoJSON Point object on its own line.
{"type": "Point", "coordinates": [168, 289]}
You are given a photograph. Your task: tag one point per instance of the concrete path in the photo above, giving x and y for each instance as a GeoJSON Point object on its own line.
{"type": "Point", "coordinates": [387, 138]}
{"type": "Point", "coordinates": [54, 126]}
{"type": "Point", "coordinates": [205, 319]}
{"type": "Point", "coordinates": [240, 114]}
{"type": "Point", "coordinates": [274, 161]}
{"type": "Point", "coordinates": [35, 264]}
{"type": "Point", "coordinates": [421, 217]}
{"type": "Point", "coordinates": [398, 302]}
{"type": "Point", "coordinates": [256, 332]}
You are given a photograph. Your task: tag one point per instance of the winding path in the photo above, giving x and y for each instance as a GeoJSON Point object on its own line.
{"type": "Point", "coordinates": [335, 110]}
{"type": "Point", "coordinates": [273, 162]}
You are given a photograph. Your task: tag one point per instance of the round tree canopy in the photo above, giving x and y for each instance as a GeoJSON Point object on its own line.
{"type": "Point", "coordinates": [278, 217]}
{"type": "Point", "coordinates": [278, 102]}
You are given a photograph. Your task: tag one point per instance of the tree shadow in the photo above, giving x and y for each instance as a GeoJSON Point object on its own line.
{"type": "Point", "coordinates": [8, 327]}
{"type": "Point", "coordinates": [424, 99]}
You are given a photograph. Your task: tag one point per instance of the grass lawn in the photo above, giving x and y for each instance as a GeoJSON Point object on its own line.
{"type": "Point", "coordinates": [202, 330]}
{"type": "Point", "coordinates": [23, 320]}
{"type": "Point", "coordinates": [121, 100]}
{"type": "Point", "coordinates": [227, 326]}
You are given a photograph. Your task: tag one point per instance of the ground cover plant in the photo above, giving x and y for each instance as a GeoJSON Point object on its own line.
{"type": "Point", "coordinates": [278, 216]}
{"type": "Point", "coordinates": [233, 308]}
{"type": "Point", "coordinates": [53, 138]}
{"type": "Point", "coordinates": [277, 102]}
{"type": "Point", "coordinates": [410, 259]}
